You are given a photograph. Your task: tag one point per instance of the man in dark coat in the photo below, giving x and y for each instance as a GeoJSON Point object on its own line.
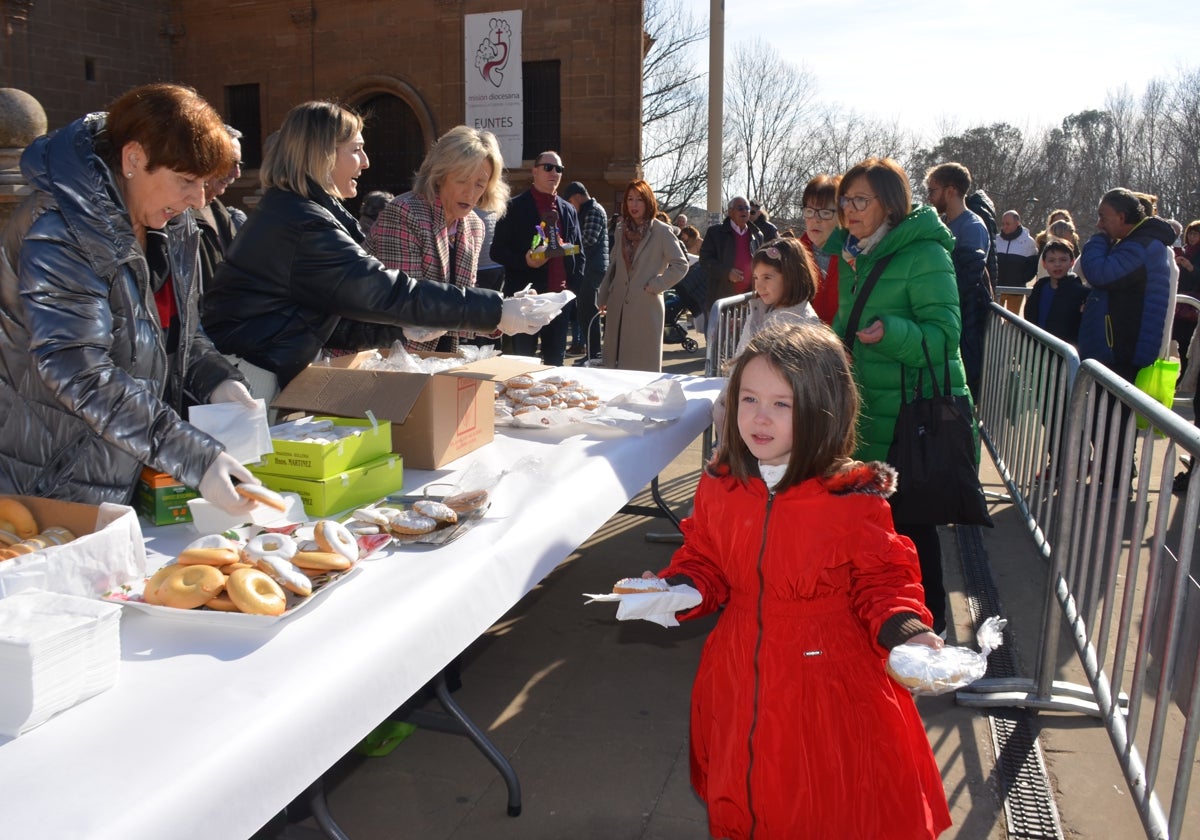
{"type": "Point", "coordinates": [727, 250]}
{"type": "Point", "coordinates": [512, 248]}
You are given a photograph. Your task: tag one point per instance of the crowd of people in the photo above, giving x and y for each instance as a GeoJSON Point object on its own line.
{"type": "Point", "coordinates": [129, 291]}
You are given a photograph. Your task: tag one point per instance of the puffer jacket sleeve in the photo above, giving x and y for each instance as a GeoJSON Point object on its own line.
{"type": "Point", "coordinates": [885, 580]}
{"type": "Point", "coordinates": [71, 331]}
{"type": "Point", "coordinates": [933, 300]}
{"type": "Point", "coordinates": [698, 557]}
{"type": "Point", "coordinates": [206, 367]}
{"type": "Point", "coordinates": [331, 273]}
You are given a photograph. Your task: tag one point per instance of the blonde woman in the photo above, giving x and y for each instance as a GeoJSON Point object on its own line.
{"type": "Point", "coordinates": [432, 232]}
{"type": "Point", "coordinates": [647, 259]}
{"type": "Point", "coordinates": [297, 269]}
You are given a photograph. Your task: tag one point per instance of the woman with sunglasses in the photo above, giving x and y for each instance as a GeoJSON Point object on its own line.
{"type": "Point", "coordinates": [912, 305]}
{"type": "Point", "coordinates": [819, 201]}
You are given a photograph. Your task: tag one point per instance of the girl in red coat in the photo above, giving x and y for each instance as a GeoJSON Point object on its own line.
{"type": "Point", "coordinates": [796, 728]}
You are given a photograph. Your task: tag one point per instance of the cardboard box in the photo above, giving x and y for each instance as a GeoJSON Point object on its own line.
{"type": "Point", "coordinates": [352, 488]}
{"type": "Point", "coordinates": [108, 551]}
{"type": "Point", "coordinates": [435, 417]}
{"type": "Point", "coordinates": [304, 459]}
{"type": "Point", "coordinates": [163, 499]}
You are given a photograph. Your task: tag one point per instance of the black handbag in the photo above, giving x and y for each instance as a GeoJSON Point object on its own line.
{"type": "Point", "coordinates": [933, 451]}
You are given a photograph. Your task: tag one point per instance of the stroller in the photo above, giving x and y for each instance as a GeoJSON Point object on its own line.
{"type": "Point", "coordinates": [687, 296]}
{"type": "Point", "coordinates": [674, 331]}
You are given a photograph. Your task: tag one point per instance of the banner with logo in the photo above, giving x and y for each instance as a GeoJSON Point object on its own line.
{"type": "Point", "coordinates": [493, 52]}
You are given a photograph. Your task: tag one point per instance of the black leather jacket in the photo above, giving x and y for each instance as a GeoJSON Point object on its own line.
{"type": "Point", "coordinates": [296, 269]}
{"type": "Point", "coordinates": [88, 393]}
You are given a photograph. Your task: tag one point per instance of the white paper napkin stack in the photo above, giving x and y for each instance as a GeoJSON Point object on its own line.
{"type": "Point", "coordinates": [55, 651]}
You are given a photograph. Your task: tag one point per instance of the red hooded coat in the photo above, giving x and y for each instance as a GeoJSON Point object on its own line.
{"type": "Point", "coordinates": [796, 728]}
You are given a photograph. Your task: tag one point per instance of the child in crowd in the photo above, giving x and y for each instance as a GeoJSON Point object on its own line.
{"type": "Point", "coordinates": [1056, 302]}
{"type": "Point", "coordinates": [796, 728]}
{"type": "Point", "coordinates": [785, 282]}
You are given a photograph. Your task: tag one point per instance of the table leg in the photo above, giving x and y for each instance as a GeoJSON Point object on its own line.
{"type": "Point", "coordinates": [661, 507]}
{"type": "Point", "coordinates": [319, 806]}
{"type": "Point", "coordinates": [456, 722]}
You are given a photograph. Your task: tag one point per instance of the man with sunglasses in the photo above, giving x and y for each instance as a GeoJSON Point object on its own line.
{"type": "Point", "coordinates": [725, 254]}
{"type": "Point", "coordinates": [512, 248]}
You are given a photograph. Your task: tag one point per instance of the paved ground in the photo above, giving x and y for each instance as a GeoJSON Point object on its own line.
{"type": "Point", "coordinates": [593, 713]}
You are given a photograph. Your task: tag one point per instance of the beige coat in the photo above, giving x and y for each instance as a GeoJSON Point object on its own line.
{"type": "Point", "coordinates": [634, 320]}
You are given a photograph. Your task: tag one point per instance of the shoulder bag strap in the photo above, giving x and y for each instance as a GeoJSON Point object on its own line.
{"type": "Point", "coordinates": [861, 301]}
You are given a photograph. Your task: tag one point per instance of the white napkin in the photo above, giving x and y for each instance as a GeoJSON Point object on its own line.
{"type": "Point", "coordinates": [244, 431]}
{"type": "Point", "coordinates": [659, 607]}
{"type": "Point", "coordinates": [662, 399]}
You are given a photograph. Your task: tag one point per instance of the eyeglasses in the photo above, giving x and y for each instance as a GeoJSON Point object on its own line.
{"type": "Point", "coordinates": [754, 207]}
{"type": "Point", "coordinates": [814, 213]}
{"type": "Point", "coordinates": [858, 202]}
{"type": "Point", "coordinates": [739, 208]}
{"type": "Point", "coordinates": [551, 167]}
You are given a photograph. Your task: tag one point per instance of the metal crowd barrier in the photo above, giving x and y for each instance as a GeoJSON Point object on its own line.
{"type": "Point", "coordinates": [1120, 547]}
{"type": "Point", "coordinates": [1027, 376]}
{"type": "Point", "coordinates": [725, 323]}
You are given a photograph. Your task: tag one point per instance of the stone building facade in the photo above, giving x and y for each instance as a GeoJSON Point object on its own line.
{"type": "Point", "coordinates": [400, 61]}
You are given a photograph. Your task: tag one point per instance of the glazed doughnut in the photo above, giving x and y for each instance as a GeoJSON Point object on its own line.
{"type": "Point", "coordinates": [334, 536]}
{"type": "Point", "coordinates": [525, 409]}
{"type": "Point", "coordinates": [190, 587]}
{"type": "Point", "coordinates": [222, 603]}
{"type": "Point", "coordinates": [208, 557]}
{"type": "Point", "coordinates": [371, 516]}
{"type": "Point", "coordinates": [324, 560]}
{"type": "Point", "coordinates": [467, 501]}
{"type": "Point", "coordinates": [543, 389]}
{"type": "Point", "coordinates": [19, 517]}
{"type": "Point", "coordinates": [518, 395]}
{"type": "Point", "coordinates": [540, 402]}
{"type": "Point", "coordinates": [150, 592]}
{"type": "Point", "coordinates": [63, 534]}
{"type": "Point", "coordinates": [285, 573]}
{"type": "Point", "coordinates": [255, 593]}
{"type": "Point", "coordinates": [262, 495]}
{"type": "Point", "coordinates": [438, 511]}
{"type": "Point", "coordinates": [356, 527]}
{"type": "Point", "coordinates": [7, 553]}
{"type": "Point", "coordinates": [212, 541]}
{"type": "Point", "coordinates": [639, 586]}
{"type": "Point", "coordinates": [521, 381]}
{"type": "Point", "coordinates": [233, 567]}
{"type": "Point", "coordinates": [409, 523]}
{"type": "Point", "coordinates": [269, 544]}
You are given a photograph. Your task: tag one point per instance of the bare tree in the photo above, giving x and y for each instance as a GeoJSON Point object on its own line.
{"type": "Point", "coordinates": [674, 105]}
{"type": "Point", "coordinates": [768, 100]}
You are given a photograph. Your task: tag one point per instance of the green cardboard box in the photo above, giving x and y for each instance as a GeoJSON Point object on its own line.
{"type": "Point", "coordinates": [162, 499]}
{"type": "Point", "coordinates": [349, 489]}
{"type": "Point", "coordinates": [322, 460]}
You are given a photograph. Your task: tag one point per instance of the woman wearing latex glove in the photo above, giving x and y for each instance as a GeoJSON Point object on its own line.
{"type": "Point", "coordinates": [297, 271]}
{"type": "Point", "coordinates": [101, 340]}
{"type": "Point", "coordinates": [217, 484]}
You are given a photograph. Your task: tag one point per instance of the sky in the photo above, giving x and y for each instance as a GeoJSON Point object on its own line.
{"type": "Point", "coordinates": [938, 67]}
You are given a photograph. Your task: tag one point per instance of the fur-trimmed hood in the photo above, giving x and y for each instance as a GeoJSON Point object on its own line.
{"type": "Point", "coordinates": [875, 478]}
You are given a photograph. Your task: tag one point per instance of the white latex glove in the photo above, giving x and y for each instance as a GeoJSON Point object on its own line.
{"type": "Point", "coordinates": [217, 484]}
{"type": "Point", "coordinates": [231, 390]}
{"type": "Point", "coordinates": [517, 316]}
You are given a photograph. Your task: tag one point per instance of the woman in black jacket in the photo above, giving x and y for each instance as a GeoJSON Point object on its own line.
{"type": "Point", "coordinates": [297, 267]}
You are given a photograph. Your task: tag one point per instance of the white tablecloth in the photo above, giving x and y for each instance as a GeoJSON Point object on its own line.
{"type": "Point", "coordinates": [211, 730]}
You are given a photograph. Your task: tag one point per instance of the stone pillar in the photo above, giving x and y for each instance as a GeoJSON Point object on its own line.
{"type": "Point", "coordinates": [21, 120]}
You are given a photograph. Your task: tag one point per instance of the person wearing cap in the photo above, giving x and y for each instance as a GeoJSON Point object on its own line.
{"type": "Point", "coordinates": [593, 224]}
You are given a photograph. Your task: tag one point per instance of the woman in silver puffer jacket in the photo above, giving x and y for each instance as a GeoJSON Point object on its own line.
{"type": "Point", "coordinates": [100, 339]}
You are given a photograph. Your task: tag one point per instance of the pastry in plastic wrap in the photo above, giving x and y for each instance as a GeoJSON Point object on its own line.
{"type": "Point", "coordinates": [925, 671]}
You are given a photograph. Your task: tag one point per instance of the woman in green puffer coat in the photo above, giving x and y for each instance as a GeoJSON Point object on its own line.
{"type": "Point", "coordinates": [915, 298]}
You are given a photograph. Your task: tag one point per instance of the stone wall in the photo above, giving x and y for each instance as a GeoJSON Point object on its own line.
{"type": "Point", "coordinates": [119, 43]}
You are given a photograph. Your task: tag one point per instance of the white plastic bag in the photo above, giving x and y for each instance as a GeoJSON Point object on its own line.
{"type": "Point", "coordinates": [927, 671]}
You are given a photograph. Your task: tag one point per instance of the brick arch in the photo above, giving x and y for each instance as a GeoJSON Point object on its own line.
{"type": "Point", "coordinates": [399, 129]}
